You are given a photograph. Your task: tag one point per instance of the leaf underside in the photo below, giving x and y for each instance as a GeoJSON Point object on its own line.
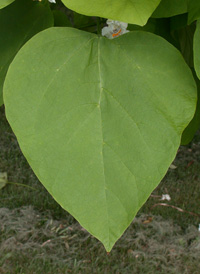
{"type": "Point", "coordinates": [134, 12]}
{"type": "Point", "coordinates": [99, 120]}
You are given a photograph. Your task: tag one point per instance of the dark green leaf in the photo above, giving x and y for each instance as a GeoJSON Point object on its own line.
{"type": "Point", "coordinates": [61, 19]}
{"type": "Point", "coordinates": [81, 21]}
{"type": "Point", "coordinates": [150, 26]}
{"type": "Point", "coordinates": [168, 8]}
{"type": "Point", "coordinates": [18, 23]}
{"type": "Point", "coordinates": [194, 125]}
{"type": "Point", "coordinates": [185, 37]}
{"type": "Point", "coordinates": [197, 49]}
{"type": "Point", "coordinates": [193, 10]}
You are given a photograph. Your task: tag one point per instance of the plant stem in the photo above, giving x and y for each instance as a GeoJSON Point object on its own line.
{"type": "Point", "coordinates": [18, 184]}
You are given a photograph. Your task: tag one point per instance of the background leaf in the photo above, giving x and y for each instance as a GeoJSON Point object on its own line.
{"type": "Point", "coordinates": [194, 125]}
{"type": "Point", "coordinates": [185, 38]}
{"type": "Point", "coordinates": [193, 10]}
{"type": "Point", "coordinates": [168, 8]}
{"type": "Point", "coordinates": [134, 12]}
{"type": "Point", "coordinates": [100, 134]}
{"type": "Point", "coordinates": [18, 23]}
{"type": "Point", "coordinates": [61, 19]}
{"type": "Point", "coordinates": [196, 49]}
{"type": "Point", "coordinates": [5, 3]}
{"type": "Point", "coordinates": [81, 21]}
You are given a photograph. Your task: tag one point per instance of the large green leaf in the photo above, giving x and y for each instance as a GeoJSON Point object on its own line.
{"type": "Point", "coordinates": [99, 120]}
{"type": "Point", "coordinates": [5, 3]}
{"type": "Point", "coordinates": [197, 49]}
{"type": "Point", "coordinates": [134, 12]}
{"type": "Point", "coordinates": [18, 23]}
{"type": "Point", "coordinates": [168, 8]}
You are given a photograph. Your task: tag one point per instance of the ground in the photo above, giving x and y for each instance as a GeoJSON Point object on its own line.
{"type": "Point", "coordinates": [38, 237]}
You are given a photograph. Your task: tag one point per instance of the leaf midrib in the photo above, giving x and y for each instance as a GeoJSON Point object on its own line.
{"type": "Point", "coordinates": [102, 153]}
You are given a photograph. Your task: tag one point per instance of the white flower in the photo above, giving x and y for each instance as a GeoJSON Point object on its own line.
{"type": "Point", "coordinates": [199, 228]}
{"type": "Point", "coordinates": [52, 1]}
{"type": "Point", "coordinates": [165, 197]}
{"type": "Point", "coordinates": [114, 29]}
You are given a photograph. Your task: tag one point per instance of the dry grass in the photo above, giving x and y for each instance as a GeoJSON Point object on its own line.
{"type": "Point", "coordinates": [32, 242]}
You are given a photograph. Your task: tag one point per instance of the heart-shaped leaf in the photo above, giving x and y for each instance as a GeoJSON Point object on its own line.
{"type": "Point", "coordinates": [18, 23]}
{"type": "Point", "coordinates": [134, 12]}
{"type": "Point", "coordinates": [99, 120]}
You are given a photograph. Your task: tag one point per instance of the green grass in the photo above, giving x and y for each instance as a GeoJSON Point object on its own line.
{"type": "Point", "coordinates": [170, 243]}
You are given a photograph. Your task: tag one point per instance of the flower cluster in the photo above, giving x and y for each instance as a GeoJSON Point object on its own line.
{"type": "Point", "coordinates": [114, 29]}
